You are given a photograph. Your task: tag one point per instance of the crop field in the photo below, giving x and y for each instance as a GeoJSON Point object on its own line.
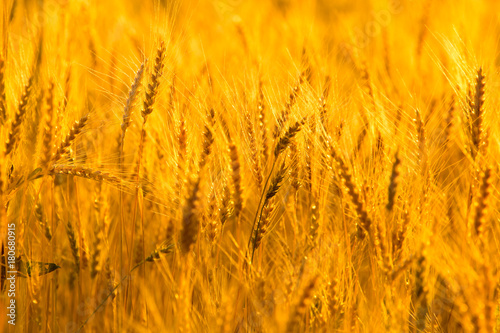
{"type": "Point", "coordinates": [249, 166]}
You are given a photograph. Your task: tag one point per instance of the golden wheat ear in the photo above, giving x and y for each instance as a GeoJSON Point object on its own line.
{"type": "Point", "coordinates": [3, 102]}
{"type": "Point", "coordinates": [190, 220]}
{"type": "Point", "coordinates": [48, 129]}
{"type": "Point", "coordinates": [156, 254]}
{"type": "Point", "coordinates": [254, 153]}
{"type": "Point", "coordinates": [15, 126]}
{"type": "Point", "coordinates": [395, 173]}
{"type": "Point", "coordinates": [478, 133]}
{"type": "Point", "coordinates": [285, 114]}
{"type": "Point", "coordinates": [235, 167]}
{"type": "Point", "coordinates": [75, 131]}
{"type": "Point", "coordinates": [302, 306]}
{"type": "Point", "coordinates": [285, 140]}
{"type": "Point", "coordinates": [84, 172]}
{"type": "Point", "coordinates": [35, 268]}
{"type": "Point", "coordinates": [365, 222]}
{"type": "Point", "coordinates": [129, 104]}
{"type": "Point", "coordinates": [264, 216]}
{"type": "Point", "coordinates": [481, 203]}
{"type": "Point", "coordinates": [152, 89]}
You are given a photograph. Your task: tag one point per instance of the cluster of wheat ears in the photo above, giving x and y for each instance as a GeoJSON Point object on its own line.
{"type": "Point", "coordinates": [239, 166]}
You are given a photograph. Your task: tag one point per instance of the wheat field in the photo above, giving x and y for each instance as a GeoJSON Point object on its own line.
{"type": "Point", "coordinates": [249, 166]}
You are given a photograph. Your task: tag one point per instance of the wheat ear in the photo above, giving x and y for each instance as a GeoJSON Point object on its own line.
{"type": "Point", "coordinates": [285, 114]}
{"type": "Point", "coordinates": [262, 122]}
{"type": "Point", "coordinates": [478, 112]}
{"type": "Point", "coordinates": [48, 128]}
{"type": "Point", "coordinates": [70, 137]}
{"type": "Point", "coordinates": [15, 127]}
{"type": "Point", "coordinates": [267, 207]}
{"type": "Point", "coordinates": [73, 244]}
{"type": "Point", "coordinates": [190, 221]}
{"type": "Point", "coordinates": [302, 306]}
{"type": "Point", "coordinates": [129, 104]}
{"type": "Point", "coordinates": [353, 192]}
{"type": "Point", "coordinates": [83, 172]}
{"type": "Point", "coordinates": [3, 102]}
{"type": "Point", "coordinates": [154, 82]}
{"type": "Point", "coordinates": [394, 182]}
{"type": "Point", "coordinates": [481, 203]}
